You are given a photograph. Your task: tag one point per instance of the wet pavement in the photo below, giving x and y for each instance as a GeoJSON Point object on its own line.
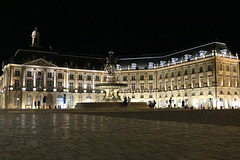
{"type": "Point", "coordinates": [81, 136]}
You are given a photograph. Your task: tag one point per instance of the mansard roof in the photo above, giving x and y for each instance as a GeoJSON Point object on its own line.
{"type": "Point", "coordinates": [60, 59]}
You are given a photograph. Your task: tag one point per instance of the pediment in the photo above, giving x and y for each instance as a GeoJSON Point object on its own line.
{"type": "Point", "coordinates": [40, 62]}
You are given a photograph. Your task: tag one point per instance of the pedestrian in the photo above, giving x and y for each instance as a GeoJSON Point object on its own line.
{"type": "Point", "coordinates": [55, 106]}
{"type": "Point", "coordinates": [35, 104]}
{"type": "Point", "coordinates": [183, 103]}
{"type": "Point", "coordinates": [38, 104]}
{"type": "Point", "coordinates": [128, 102]}
{"type": "Point", "coordinates": [125, 101]}
{"type": "Point", "coordinates": [154, 103]}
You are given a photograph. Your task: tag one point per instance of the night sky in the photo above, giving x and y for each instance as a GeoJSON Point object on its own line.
{"type": "Point", "coordinates": [69, 27]}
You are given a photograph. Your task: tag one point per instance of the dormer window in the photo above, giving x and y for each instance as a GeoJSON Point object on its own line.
{"type": "Point", "coordinates": [118, 67]}
{"type": "Point", "coordinates": [150, 65]}
{"type": "Point", "coordinates": [202, 53]}
{"type": "Point", "coordinates": [174, 60]}
{"type": "Point", "coordinates": [162, 63]}
{"type": "Point", "coordinates": [187, 56]}
{"type": "Point", "coordinates": [133, 65]}
{"type": "Point", "coordinates": [223, 51]}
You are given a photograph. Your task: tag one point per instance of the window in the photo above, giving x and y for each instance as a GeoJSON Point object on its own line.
{"type": "Point", "coordinates": [71, 100]}
{"type": "Point", "coordinates": [166, 75]}
{"type": "Point", "coordinates": [141, 77]}
{"type": "Point", "coordinates": [133, 86]}
{"type": "Point", "coordinates": [227, 81]}
{"type": "Point", "coordinates": [201, 81]}
{"type": "Point", "coordinates": [234, 69]}
{"type": "Point", "coordinates": [133, 78]}
{"type": "Point", "coordinates": [201, 69]}
{"type": "Point", "coordinates": [227, 67]}
{"type": "Point", "coordinates": [80, 98]}
{"type": "Point", "coordinates": [193, 70]}
{"type": "Point", "coordinates": [133, 96]}
{"type": "Point", "coordinates": [160, 76]}
{"type": "Point", "coordinates": [185, 82]}
{"type": "Point", "coordinates": [29, 73]}
{"type": "Point", "coordinates": [80, 86]}
{"type": "Point", "coordinates": [220, 80]}
{"type": "Point", "coordinates": [142, 96]}
{"type": "Point", "coordinates": [210, 92]}
{"type": "Point", "coordinates": [124, 78]}
{"type": "Point", "coordinates": [16, 99]}
{"type": "Point", "coordinates": [150, 85]}
{"type": "Point", "coordinates": [166, 85]}
{"type": "Point", "coordinates": [220, 67]}
{"type": "Point", "coordinates": [193, 93]}
{"type": "Point", "coordinates": [201, 92]}
{"type": "Point", "coordinates": [173, 83]}
{"type": "Point", "coordinates": [234, 81]}
{"type": "Point", "coordinates": [210, 68]}
{"type": "Point", "coordinates": [104, 78]}
{"type": "Point", "coordinates": [118, 67]}
{"type": "Point", "coordinates": [150, 96]}
{"type": "Point", "coordinates": [150, 65]}
{"type": "Point", "coordinates": [17, 73]}
{"type": "Point", "coordinates": [133, 65]}
{"type": "Point", "coordinates": [172, 74]}
{"type": "Point", "coordinates": [49, 74]}
{"type": "Point", "coordinates": [49, 84]}
{"type": "Point", "coordinates": [186, 72]}
{"type": "Point", "coordinates": [142, 86]}
{"type": "Point", "coordinates": [39, 83]}
{"type": "Point", "coordinates": [209, 80]}
{"type": "Point", "coordinates": [193, 82]}
{"type": "Point", "coordinates": [60, 75]}
{"type": "Point", "coordinates": [150, 77]}
{"type": "Point", "coordinates": [71, 85]}
{"type": "Point", "coordinates": [185, 94]}
{"type": "Point", "coordinates": [16, 83]}
{"type": "Point", "coordinates": [160, 85]}
{"type": "Point", "coordinates": [179, 84]}
{"type": "Point", "coordinates": [221, 92]}
{"type": "Point", "coordinates": [71, 76]}
{"type": "Point", "coordinates": [28, 102]}
{"type": "Point", "coordinates": [59, 84]}
{"type": "Point", "coordinates": [97, 78]}
{"type": "Point", "coordinates": [236, 92]}
{"type": "Point", "coordinates": [88, 86]}
{"type": "Point", "coordinates": [89, 78]}
{"type": "Point", "coordinates": [179, 73]}
{"type": "Point", "coordinates": [29, 83]}
{"type": "Point", "coordinates": [80, 77]}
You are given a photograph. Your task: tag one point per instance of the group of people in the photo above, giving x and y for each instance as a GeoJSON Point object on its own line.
{"type": "Point", "coordinates": [126, 102]}
{"type": "Point", "coordinates": [151, 104]}
{"type": "Point", "coordinates": [37, 104]}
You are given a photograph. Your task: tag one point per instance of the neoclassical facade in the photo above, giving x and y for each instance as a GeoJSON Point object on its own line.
{"type": "Point", "coordinates": [202, 76]}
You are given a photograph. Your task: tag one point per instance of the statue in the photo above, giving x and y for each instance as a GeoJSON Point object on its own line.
{"type": "Point", "coordinates": [111, 64]}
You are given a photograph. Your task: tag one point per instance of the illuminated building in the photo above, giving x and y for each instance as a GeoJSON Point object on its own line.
{"type": "Point", "coordinates": [202, 76]}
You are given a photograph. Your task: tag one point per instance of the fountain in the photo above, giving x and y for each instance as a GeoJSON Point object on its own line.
{"type": "Point", "coordinates": [111, 87]}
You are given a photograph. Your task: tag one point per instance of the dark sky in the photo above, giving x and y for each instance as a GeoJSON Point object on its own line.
{"type": "Point", "coordinates": [69, 27]}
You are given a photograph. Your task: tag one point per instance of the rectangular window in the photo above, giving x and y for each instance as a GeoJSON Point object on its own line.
{"type": "Point", "coordinates": [104, 78]}
{"type": "Point", "coordinates": [142, 96]}
{"type": "Point", "coordinates": [209, 80]}
{"type": "Point", "coordinates": [49, 74]}
{"type": "Point", "coordinates": [193, 70]}
{"type": "Point", "coordinates": [49, 84]}
{"type": "Point", "coordinates": [179, 84]}
{"type": "Point", "coordinates": [185, 83]}
{"type": "Point", "coordinates": [29, 73]}
{"type": "Point", "coordinates": [193, 82]}
{"type": "Point", "coordinates": [166, 85]}
{"type": "Point", "coordinates": [227, 81]}
{"type": "Point", "coordinates": [124, 78]}
{"type": "Point", "coordinates": [16, 99]}
{"type": "Point", "coordinates": [80, 77]}
{"type": "Point", "coordinates": [160, 85]}
{"type": "Point", "coordinates": [234, 69]}
{"type": "Point", "coordinates": [133, 86]}
{"type": "Point", "coordinates": [29, 83]}
{"type": "Point", "coordinates": [133, 78]}
{"type": "Point", "coordinates": [17, 73]}
{"type": "Point", "coordinates": [220, 67]}
{"type": "Point", "coordinates": [16, 83]}
{"type": "Point", "coordinates": [234, 81]}
{"type": "Point", "coordinates": [186, 72]}
{"type": "Point", "coordinates": [71, 76]}
{"type": "Point", "coordinates": [28, 98]}
{"type": "Point", "coordinates": [71, 100]}
{"type": "Point", "coordinates": [97, 78]}
{"type": "Point", "coordinates": [141, 77]}
{"type": "Point", "coordinates": [60, 75]}
{"type": "Point", "coordinates": [166, 75]}
{"type": "Point", "coordinates": [89, 78]}
{"type": "Point", "coordinates": [142, 86]}
{"type": "Point", "coordinates": [201, 69]}
{"type": "Point", "coordinates": [179, 73]}
{"type": "Point", "coordinates": [59, 84]}
{"type": "Point", "coordinates": [201, 81]}
{"type": "Point", "coordinates": [210, 67]}
{"type": "Point", "coordinates": [220, 80]}
{"type": "Point", "coordinates": [160, 76]}
{"type": "Point", "coordinates": [89, 86]}
{"type": "Point", "coordinates": [71, 85]}
{"type": "Point", "coordinates": [227, 67]}
{"type": "Point", "coordinates": [150, 85]}
{"type": "Point", "coordinates": [173, 83]}
{"type": "Point", "coordinates": [80, 86]}
{"type": "Point", "coordinates": [150, 77]}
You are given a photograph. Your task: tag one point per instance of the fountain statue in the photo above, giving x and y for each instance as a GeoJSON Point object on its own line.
{"type": "Point", "coordinates": [111, 87]}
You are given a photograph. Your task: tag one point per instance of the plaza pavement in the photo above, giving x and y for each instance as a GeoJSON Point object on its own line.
{"type": "Point", "coordinates": [123, 134]}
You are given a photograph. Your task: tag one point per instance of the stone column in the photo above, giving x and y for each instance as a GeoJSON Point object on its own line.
{"type": "Point", "coordinates": [55, 79]}
{"type": "Point", "coordinates": [45, 79]}
{"type": "Point", "coordinates": [34, 77]}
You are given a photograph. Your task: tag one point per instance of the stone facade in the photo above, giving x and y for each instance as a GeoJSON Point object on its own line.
{"type": "Point", "coordinates": [205, 80]}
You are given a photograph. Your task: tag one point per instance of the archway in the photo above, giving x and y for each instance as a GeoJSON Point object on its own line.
{"type": "Point", "coordinates": [88, 98]}
{"type": "Point", "coordinates": [59, 101]}
{"type": "Point", "coordinates": [49, 100]}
